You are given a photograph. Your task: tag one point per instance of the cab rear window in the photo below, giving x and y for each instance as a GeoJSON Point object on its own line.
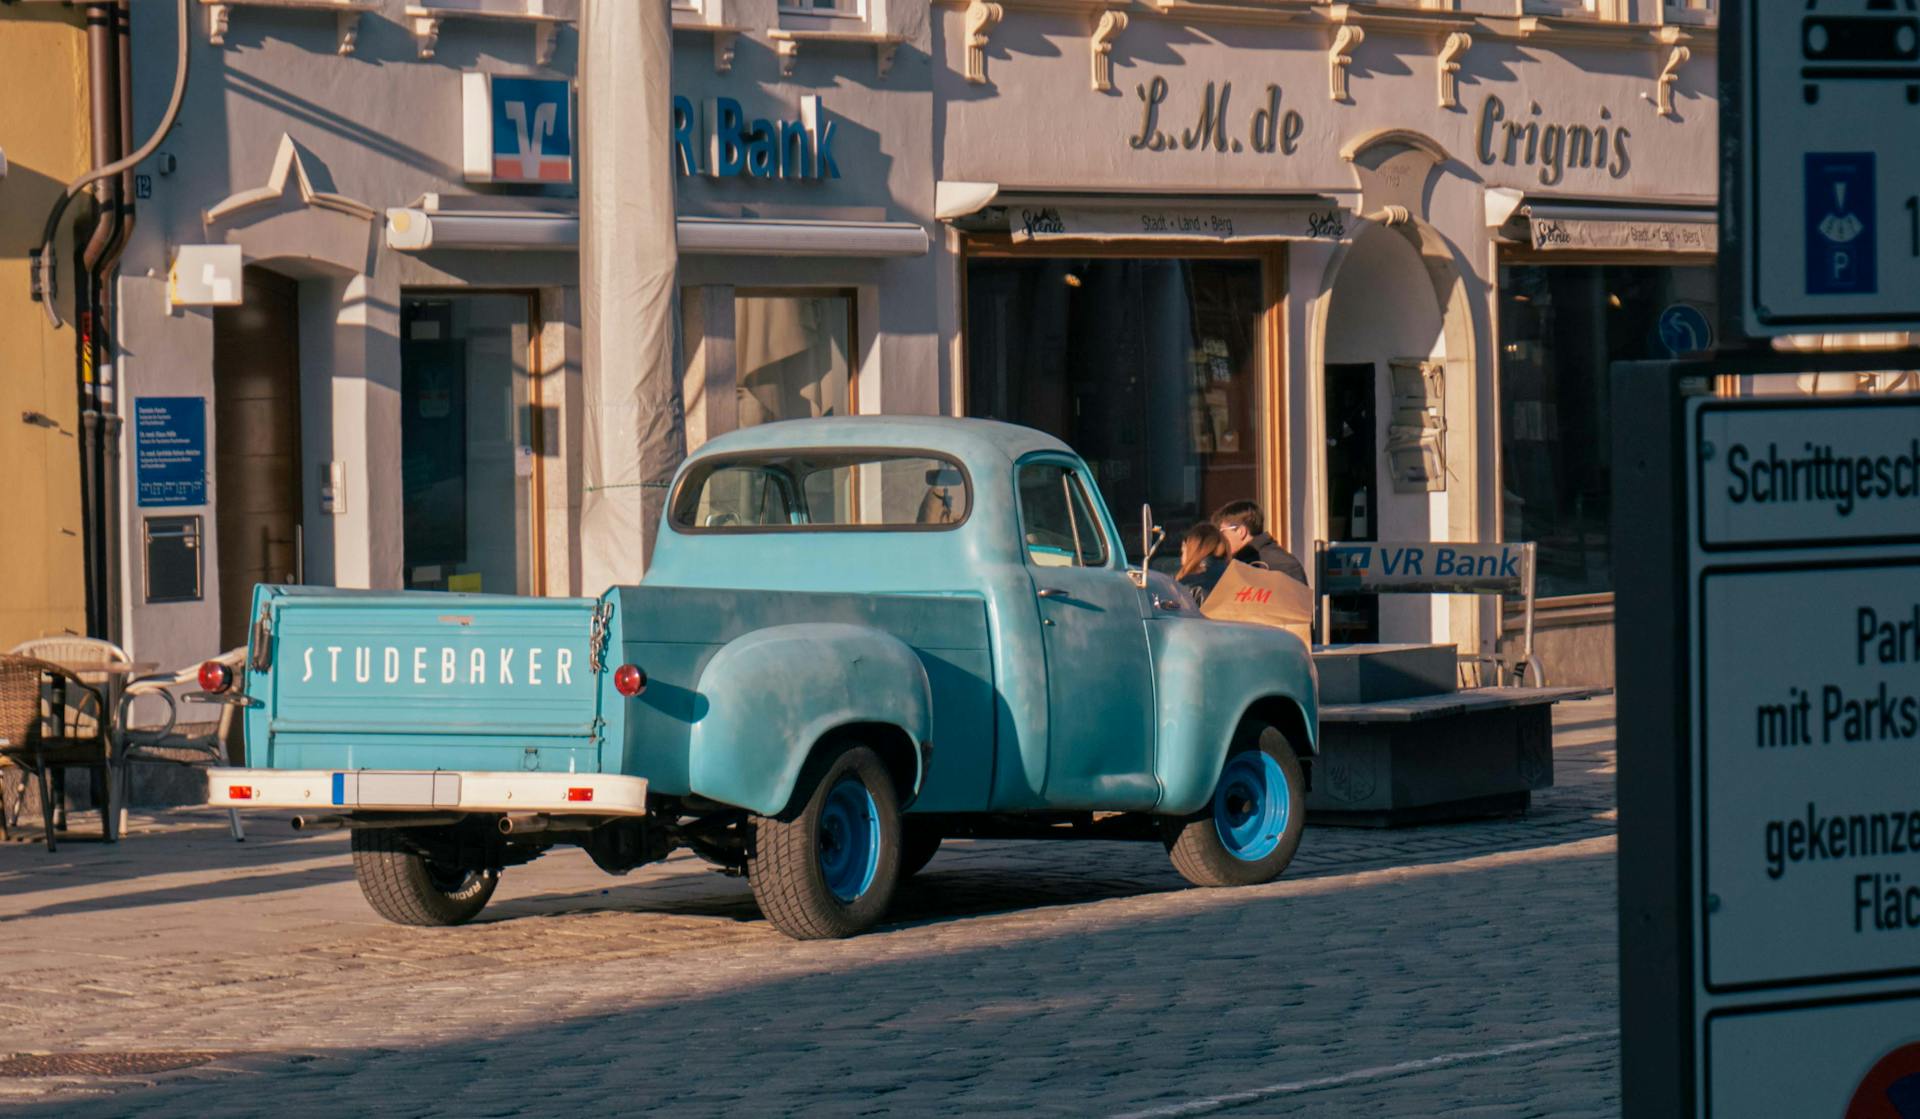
{"type": "Point", "coordinates": [819, 490]}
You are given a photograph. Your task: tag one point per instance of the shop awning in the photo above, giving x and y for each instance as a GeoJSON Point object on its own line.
{"type": "Point", "coordinates": [1041, 216]}
{"type": "Point", "coordinates": [437, 223]}
{"type": "Point", "coordinates": [1565, 226]}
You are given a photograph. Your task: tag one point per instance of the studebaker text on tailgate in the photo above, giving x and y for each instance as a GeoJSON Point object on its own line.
{"type": "Point", "coordinates": [422, 664]}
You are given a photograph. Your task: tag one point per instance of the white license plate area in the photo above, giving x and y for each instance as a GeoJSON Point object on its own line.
{"type": "Point", "coordinates": [385, 789]}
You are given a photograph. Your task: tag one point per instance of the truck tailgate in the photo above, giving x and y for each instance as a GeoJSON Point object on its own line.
{"type": "Point", "coordinates": [422, 681]}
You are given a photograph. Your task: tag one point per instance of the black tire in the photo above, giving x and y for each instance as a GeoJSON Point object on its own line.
{"type": "Point", "coordinates": [407, 888]}
{"type": "Point", "coordinates": [1195, 843]}
{"type": "Point", "coordinates": [786, 854]}
{"type": "Point", "coordinates": [919, 843]}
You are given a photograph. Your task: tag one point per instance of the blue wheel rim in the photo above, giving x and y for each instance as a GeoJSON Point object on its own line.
{"type": "Point", "coordinates": [1250, 806]}
{"type": "Point", "coordinates": [849, 840]}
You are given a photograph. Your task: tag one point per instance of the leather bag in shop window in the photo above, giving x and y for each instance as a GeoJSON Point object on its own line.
{"type": "Point", "coordinates": [1247, 593]}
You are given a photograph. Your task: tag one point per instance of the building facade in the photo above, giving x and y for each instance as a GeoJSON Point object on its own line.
{"type": "Point", "coordinates": [1364, 263]}
{"type": "Point", "coordinates": [45, 144]}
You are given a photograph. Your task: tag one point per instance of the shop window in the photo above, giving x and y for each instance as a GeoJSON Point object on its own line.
{"type": "Point", "coordinates": [794, 351]}
{"type": "Point", "coordinates": [1691, 11]}
{"type": "Point", "coordinates": [1152, 369]}
{"type": "Point", "coordinates": [822, 7]}
{"type": "Point", "coordinates": [1561, 328]}
{"type": "Point", "coordinates": [1585, 8]}
{"type": "Point", "coordinates": [468, 453]}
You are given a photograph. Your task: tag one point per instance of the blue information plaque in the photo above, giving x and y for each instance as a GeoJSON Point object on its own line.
{"type": "Point", "coordinates": [170, 450]}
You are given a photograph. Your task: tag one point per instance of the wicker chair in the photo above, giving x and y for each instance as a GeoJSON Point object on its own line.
{"type": "Point", "coordinates": [175, 743]}
{"type": "Point", "coordinates": [68, 648]}
{"type": "Point", "coordinates": [50, 720]}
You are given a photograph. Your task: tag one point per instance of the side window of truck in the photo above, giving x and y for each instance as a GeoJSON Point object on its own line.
{"type": "Point", "coordinates": [1057, 520]}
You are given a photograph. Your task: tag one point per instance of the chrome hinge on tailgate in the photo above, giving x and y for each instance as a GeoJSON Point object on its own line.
{"type": "Point", "coordinates": [597, 640]}
{"type": "Point", "coordinates": [261, 655]}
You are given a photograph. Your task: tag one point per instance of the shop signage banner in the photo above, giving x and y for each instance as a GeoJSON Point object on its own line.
{"type": "Point", "coordinates": [1176, 222]}
{"type": "Point", "coordinates": [1424, 566]}
{"type": "Point", "coordinates": [723, 142]}
{"type": "Point", "coordinates": [170, 450]}
{"type": "Point", "coordinates": [517, 130]}
{"type": "Point", "coordinates": [1581, 235]}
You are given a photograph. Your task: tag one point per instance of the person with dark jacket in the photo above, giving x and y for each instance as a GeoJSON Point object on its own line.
{"type": "Point", "coordinates": [1245, 528]}
{"type": "Point", "coordinates": [1203, 559]}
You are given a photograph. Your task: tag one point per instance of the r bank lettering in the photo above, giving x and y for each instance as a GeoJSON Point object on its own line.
{"type": "Point", "coordinates": [722, 143]}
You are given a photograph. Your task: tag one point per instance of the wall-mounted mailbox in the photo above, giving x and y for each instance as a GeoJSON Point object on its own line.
{"type": "Point", "coordinates": [173, 559]}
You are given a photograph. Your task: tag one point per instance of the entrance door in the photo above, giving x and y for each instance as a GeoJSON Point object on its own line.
{"type": "Point", "coordinates": [256, 459]}
{"type": "Point", "coordinates": [1100, 722]}
{"type": "Point", "coordinates": [1353, 486]}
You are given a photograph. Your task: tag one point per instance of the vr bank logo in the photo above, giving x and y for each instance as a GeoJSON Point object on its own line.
{"type": "Point", "coordinates": [532, 130]}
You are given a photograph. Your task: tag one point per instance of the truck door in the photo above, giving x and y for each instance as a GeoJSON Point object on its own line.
{"type": "Point", "coordinates": [1099, 677]}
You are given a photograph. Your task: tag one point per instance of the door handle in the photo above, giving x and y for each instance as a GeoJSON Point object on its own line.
{"type": "Point", "coordinates": [1052, 592]}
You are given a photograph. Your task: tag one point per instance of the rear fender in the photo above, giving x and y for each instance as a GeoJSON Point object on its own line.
{"type": "Point", "coordinates": [774, 694]}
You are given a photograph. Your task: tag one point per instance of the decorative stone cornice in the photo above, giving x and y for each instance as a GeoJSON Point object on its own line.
{"type": "Point", "coordinates": [1106, 29]}
{"type": "Point", "coordinates": [1340, 57]}
{"type": "Point", "coordinates": [982, 17]}
{"type": "Point", "coordinates": [1451, 51]}
{"type": "Point", "coordinates": [346, 15]}
{"type": "Point", "coordinates": [1670, 73]}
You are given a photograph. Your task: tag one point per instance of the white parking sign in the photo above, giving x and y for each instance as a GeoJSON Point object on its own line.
{"type": "Point", "coordinates": [1826, 220]}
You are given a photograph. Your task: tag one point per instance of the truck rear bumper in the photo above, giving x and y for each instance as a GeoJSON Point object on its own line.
{"type": "Point", "coordinates": [386, 790]}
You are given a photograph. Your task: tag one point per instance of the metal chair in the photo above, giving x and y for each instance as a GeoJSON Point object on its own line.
{"type": "Point", "coordinates": [174, 742]}
{"type": "Point", "coordinates": [51, 720]}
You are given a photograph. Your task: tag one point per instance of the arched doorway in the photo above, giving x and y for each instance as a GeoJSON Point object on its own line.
{"type": "Point", "coordinates": [1385, 336]}
{"type": "Point", "coordinates": [1395, 332]}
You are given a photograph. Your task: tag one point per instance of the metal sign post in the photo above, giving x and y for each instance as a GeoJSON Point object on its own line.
{"type": "Point", "coordinates": [1820, 215]}
{"type": "Point", "coordinates": [1768, 612]}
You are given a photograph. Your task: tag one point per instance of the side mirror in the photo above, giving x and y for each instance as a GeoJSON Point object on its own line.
{"type": "Point", "coordinates": [1150, 537]}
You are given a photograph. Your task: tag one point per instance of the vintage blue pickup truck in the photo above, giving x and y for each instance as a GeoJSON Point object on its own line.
{"type": "Point", "coordinates": [859, 636]}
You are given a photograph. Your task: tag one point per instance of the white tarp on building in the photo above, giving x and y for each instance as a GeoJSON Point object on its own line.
{"type": "Point", "coordinates": [635, 434]}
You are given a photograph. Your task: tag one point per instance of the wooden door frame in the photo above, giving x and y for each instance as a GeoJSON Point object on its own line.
{"type": "Point", "coordinates": [536, 556]}
{"type": "Point", "coordinates": [1272, 406]}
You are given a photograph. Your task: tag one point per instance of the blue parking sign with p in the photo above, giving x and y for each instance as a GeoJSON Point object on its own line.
{"type": "Point", "coordinates": [1840, 229]}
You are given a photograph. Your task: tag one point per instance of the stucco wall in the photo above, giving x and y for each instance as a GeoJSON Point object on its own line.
{"type": "Point", "coordinates": [43, 55]}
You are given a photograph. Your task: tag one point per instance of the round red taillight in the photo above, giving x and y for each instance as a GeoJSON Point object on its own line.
{"type": "Point", "coordinates": [215, 677]}
{"type": "Point", "coordinates": [629, 681]}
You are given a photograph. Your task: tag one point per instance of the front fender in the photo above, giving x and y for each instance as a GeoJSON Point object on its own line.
{"type": "Point", "coordinates": [772, 694]}
{"type": "Point", "coordinates": [1209, 675]}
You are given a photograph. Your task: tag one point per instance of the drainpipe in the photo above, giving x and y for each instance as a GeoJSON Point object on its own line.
{"type": "Point", "coordinates": [110, 404]}
{"type": "Point", "coordinates": [103, 95]}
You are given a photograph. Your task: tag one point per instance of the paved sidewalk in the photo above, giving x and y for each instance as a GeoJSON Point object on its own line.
{"type": "Point", "coordinates": [1463, 969]}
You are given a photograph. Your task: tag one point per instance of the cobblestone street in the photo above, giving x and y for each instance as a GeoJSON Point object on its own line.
{"type": "Point", "coordinates": [1464, 969]}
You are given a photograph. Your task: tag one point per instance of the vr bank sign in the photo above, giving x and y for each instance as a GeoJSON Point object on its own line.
{"type": "Point", "coordinates": [520, 130]}
{"type": "Point", "coordinates": [517, 130]}
{"type": "Point", "coordinates": [722, 143]}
